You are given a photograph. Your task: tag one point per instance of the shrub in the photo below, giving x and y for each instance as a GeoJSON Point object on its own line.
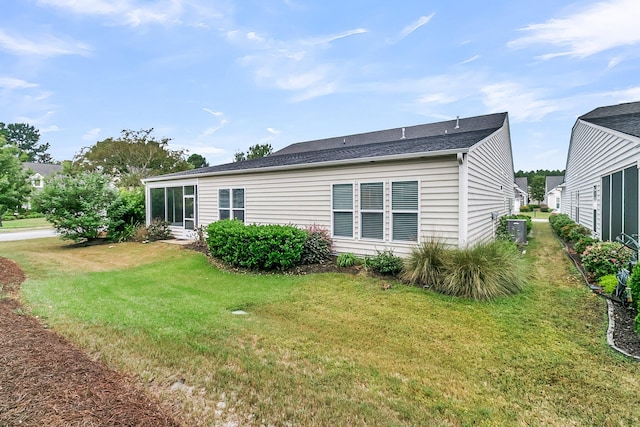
{"type": "Point", "coordinates": [524, 208]}
{"type": "Point", "coordinates": [258, 247]}
{"type": "Point", "coordinates": [348, 260]}
{"type": "Point", "coordinates": [608, 283]}
{"type": "Point", "coordinates": [533, 206]}
{"type": "Point", "coordinates": [544, 209]}
{"type": "Point", "coordinates": [158, 230]}
{"type": "Point", "coordinates": [426, 263]}
{"type": "Point", "coordinates": [484, 272]}
{"type": "Point", "coordinates": [583, 243]}
{"type": "Point", "coordinates": [317, 247]}
{"type": "Point", "coordinates": [634, 284]}
{"type": "Point", "coordinates": [573, 232]}
{"type": "Point", "coordinates": [605, 258]}
{"type": "Point", "coordinates": [385, 262]}
{"type": "Point", "coordinates": [638, 323]}
{"type": "Point", "coordinates": [558, 221]}
{"type": "Point", "coordinates": [501, 229]}
{"type": "Point", "coordinates": [125, 214]}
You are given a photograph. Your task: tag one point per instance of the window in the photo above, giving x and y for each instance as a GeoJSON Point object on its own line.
{"type": "Point", "coordinates": [557, 202]}
{"type": "Point", "coordinates": [404, 210]}
{"type": "Point", "coordinates": [342, 207]}
{"type": "Point", "coordinates": [231, 204]}
{"type": "Point", "coordinates": [372, 210]}
{"type": "Point", "coordinates": [176, 205]}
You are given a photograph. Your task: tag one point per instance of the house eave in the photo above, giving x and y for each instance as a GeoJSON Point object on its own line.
{"type": "Point", "coordinates": [363, 160]}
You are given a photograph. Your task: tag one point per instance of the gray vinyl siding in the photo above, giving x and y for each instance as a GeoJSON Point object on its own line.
{"type": "Point", "coordinates": [490, 185]}
{"type": "Point", "coordinates": [594, 152]}
{"type": "Point", "coordinates": [303, 197]}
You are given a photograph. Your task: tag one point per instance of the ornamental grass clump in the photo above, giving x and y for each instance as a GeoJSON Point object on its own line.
{"type": "Point", "coordinates": [425, 265]}
{"type": "Point", "coordinates": [485, 271]}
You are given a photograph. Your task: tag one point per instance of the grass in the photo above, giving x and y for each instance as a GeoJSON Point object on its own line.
{"type": "Point", "coordinates": [335, 349]}
{"type": "Point", "coordinates": [537, 214]}
{"type": "Point", "coordinates": [20, 224]}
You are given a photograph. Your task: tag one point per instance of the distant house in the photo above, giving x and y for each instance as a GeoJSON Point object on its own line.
{"type": "Point", "coordinates": [387, 189]}
{"type": "Point", "coordinates": [601, 178]}
{"type": "Point", "coordinates": [522, 190]}
{"type": "Point", "coordinates": [553, 192]}
{"type": "Point", "coordinates": [38, 172]}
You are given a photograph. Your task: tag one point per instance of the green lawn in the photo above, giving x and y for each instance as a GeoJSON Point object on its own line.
{"type": "Point", "coordinates": [334, 349]}
{"type": "Point", "coordinates": [20, 224]}
{"type": "Point", "coordinates": [537, 214]}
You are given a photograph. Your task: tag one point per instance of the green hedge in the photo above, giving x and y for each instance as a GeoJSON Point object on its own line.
{"type": "Point", "coordinates": [502, 223]}
{"type": "Point", "coordinates": [256, 247]}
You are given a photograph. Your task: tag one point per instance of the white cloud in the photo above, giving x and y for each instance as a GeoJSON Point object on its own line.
{"type": "Point", "coordinates": [333, 37]}
{"type": "Point", "coordinates": [523, 104]}
{"type": "Point", "coordinates": [213, 113]}
{"type": "Point", "coordinates": [273, 131]}
{"type": "Point", "coordinates": [11, 83]}
{"type": "Point", "coordinates": [136, 13]}
{"type": "Point", "coordinates": [411, 28]}
{"type": "Point", "coordinates": [466, 61]}
{"type": "Point", "coordinates": [91, 134]}
{"type": "Point", "coordinates": [45, 46]}
{"type": "Point", "coordinates": [596, 28]}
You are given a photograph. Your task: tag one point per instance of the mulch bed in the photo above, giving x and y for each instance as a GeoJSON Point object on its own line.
{"type": "Point", "coordinates": [46, 381]}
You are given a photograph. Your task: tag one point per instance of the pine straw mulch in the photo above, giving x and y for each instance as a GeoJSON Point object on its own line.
{"type": "Point", "coordinates": [46, 381]}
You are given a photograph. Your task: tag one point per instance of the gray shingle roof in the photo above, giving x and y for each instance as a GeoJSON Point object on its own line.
{"type": "Point", "coordinates": [44, 169]}
{"type": "Point", "coordinates": [622, 117]}
{"type": "Point", "coordinates": [552, 182]}
{"type": "Point", "coordinates": [431, 138]}
{"type": "Point", "coordinates": [523, 183]}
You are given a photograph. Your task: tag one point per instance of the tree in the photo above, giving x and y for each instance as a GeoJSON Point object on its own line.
{"type": "Point", "coordinates": [197, 161]}
{"type": "Point", "coordinates": [77, 205]}
{"type": "Point", "coordinates": [26, 139]}
{"type": "Point", "coordinates": [15, 187]}
{"type": "Point", "coordinates": [255, 152]}
{"type": "Point", "coordinates": [133, 156]}
{"type": "Point", "coordinates": [537, 187]}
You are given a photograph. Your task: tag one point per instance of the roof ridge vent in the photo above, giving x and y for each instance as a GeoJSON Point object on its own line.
{"type": "Point", "coordinates": [457, 122]}
{"type": "Point", "coordinates": [403, 135]}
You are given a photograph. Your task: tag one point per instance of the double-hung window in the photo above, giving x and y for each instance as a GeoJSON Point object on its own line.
{"type": "Point", "coordinates": [372, 210]}
{"type": "Point", "coordinates": [231, 203]}
{"type": "Point", "coordinates": [404, 210]}
{"type": "Point", "coordinates": [342, 207]}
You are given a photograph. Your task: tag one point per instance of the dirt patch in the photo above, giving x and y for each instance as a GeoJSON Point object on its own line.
{"type": "Point", "coordinates": [45, 380]}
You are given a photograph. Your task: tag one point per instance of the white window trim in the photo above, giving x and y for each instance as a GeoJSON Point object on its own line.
{"type": "Point", "coordinates": [417, 211]}
{"type": "Point", "coordinates": [231, 208]}
{"type": "Point", "coordinates": [354, 187]}
{"type": "Point", "coordinates": [383, 211]}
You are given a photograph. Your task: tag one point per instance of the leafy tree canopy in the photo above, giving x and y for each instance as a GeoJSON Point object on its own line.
{"type": "Point", "coordinates": [77, 204]}
{"type": "Point", "coordinates": [537, 188]}
{"type": "Point", "coordinates": [541, 172]}
{"type": "Point", "coordinates": [255, 152]}
{"type": "Point", "coordinates": [197, 161]}
{"type": "Point", "coordinates": [133, 156]}
{"type": "Point", "coordinates": [15, 187]}
{"type": "Point", "coordinates": [26, 139]}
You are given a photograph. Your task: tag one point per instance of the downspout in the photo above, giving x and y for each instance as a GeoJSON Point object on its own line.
{"type": "Point", "coordinates": [463, 200]}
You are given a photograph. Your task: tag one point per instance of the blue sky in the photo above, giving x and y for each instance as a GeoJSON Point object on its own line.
{"type": "Point", "coordinates": [220, 76]}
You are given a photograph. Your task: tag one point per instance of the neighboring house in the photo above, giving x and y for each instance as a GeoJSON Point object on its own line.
{"type": "Point", "coordinates": [522, 190]}
{"type": "Point", "coordinates": [38, 172]}
{"type": "Point", "coordinates": [553, 192]}
{"type": "Point", "coordinates": [387, 189]}
{"type": "Point", "coordinates": [601, 178]}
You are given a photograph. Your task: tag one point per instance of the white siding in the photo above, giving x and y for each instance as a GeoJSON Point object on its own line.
{"type": "Point", "coordinates": [594, 152]}
{"type": "Point", "coordinates": [490, 185]}
{"type": "Point", "coordinates": [303, 197]}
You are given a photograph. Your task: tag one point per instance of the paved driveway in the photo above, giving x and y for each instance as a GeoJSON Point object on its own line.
{"type": "Point", "coordinates": [27, 234]}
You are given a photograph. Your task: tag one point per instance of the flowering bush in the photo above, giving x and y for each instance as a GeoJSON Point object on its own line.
{"type": "Point", "coordinates": [318, 246]}
{"type": "Point", "coordinates": [605, 258]}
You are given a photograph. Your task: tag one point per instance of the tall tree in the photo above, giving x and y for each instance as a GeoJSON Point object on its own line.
{"type": "Point", "coordinates": [537, 188]}
{"type": "Point", "coordinates": [255, 152]}
{"type": "Point", "coordinates": [14, 181]}
{"type": "Point", "coordinates": [197, 161]}
{"type": "Point", "coordinates": [26, 139]}
{"type": "Point", "coordinates": [131, 157]}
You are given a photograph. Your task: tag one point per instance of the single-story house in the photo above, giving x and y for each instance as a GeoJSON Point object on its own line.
{"type": "Point", "coordinates": [553, 192]}
{"type": "Point", "coordinates": [601, 177]}
{"type": "Point", "coordinates": [389, 189]}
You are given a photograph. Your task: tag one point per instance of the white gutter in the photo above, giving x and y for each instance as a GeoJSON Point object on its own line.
{"type": "Point", "coordinates": [312, 165]}
{"type": "Point", "coordinates": [463, 195]}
